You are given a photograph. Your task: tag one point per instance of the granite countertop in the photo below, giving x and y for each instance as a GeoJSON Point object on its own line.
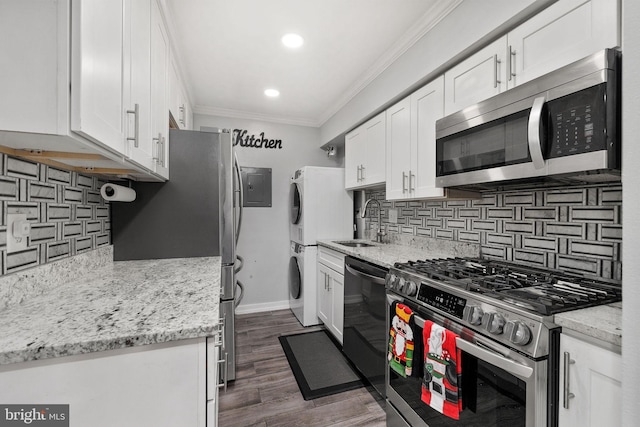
{"type": "Point", "coordinates": [121, 304]}
{"type": "Point", "coordinates": [386, 254]}
{"type": "Point", "coordinates": [603, 322]}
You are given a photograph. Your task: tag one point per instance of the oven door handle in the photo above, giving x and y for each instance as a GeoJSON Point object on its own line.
{"type": "Point", "coordinates": [488, 355]}
{"type": "Point", "coordinates": [374, 279]}
{"type": "Point", "coordinates": [495, 359]}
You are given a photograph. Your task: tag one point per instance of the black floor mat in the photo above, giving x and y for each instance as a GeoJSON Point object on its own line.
{"type": "Point", "coordinates": [318, 364]}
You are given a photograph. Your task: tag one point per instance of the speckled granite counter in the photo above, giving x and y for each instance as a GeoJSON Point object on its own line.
{"type": "Point", "coordinates": [386, 254]}
{"type": "Point", "coordinates": [120, 304]}
{"type": "Point", "coordinates": [602, 323]}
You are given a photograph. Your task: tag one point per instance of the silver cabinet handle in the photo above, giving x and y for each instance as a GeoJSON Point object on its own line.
{"type": "Point", "coordinates": [404, 182]}
{"type": "Point", "coordinates": [533, 132]}
{"type": "Point", "coordinates": [163, 152]}
{"type": "Point", "coordinates": [358, 174]}
{"type": "Point", "coordinates": [226, 373]}
{"type": "Point", "coordinates": [511, 62]}
{"type": "Point", "coordinates": [182, 114]}
{"type": "Point", "coordinates": [136, 116]}
{"type": "Point", "coordinates": [363, 176]}
{"type": "Point", "coordinates": [496, 63]}
{"type": "Point", "coordinates": [412, 177]}
{"type": "Point", "coordinates": [156, 158]}
{"type": "Point", "coordinates": [567, 394]}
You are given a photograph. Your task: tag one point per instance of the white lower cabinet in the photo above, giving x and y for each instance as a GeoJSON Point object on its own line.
{"type": "Point", "coordinates": [590, 384]}
{"type": "Point", "coordinates": [152, 385]}
{"type": "Point", "coordinates": [330, 284]}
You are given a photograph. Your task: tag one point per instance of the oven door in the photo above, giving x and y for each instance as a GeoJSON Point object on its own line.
{"type": "Point", "coordinates": [499, 387]}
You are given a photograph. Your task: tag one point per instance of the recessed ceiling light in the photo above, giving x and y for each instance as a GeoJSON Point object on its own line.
{"type": "Point", "coordinates": [292, 40]}
{"type": "Point", "coordinates": [272, 93]}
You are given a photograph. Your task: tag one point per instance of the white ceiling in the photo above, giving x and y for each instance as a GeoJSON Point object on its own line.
{"type": "Point", "coordinates": [230, 51]}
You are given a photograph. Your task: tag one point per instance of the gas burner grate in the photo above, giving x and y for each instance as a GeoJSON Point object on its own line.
{"type": "Point", "coordinates": [543, 291]}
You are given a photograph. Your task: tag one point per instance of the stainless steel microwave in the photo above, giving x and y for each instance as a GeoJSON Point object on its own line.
{"type": "Point", "coordinates": [564, 125]}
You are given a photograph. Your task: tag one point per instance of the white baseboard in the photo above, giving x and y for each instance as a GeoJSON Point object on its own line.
{"type": "Point", "coordinates": [259, 308]}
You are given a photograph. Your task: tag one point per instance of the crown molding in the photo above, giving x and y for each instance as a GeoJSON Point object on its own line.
{"type": "Point", "coordinates": [429, 19]}
{"type": "Point", "coordinates": [238, 114]}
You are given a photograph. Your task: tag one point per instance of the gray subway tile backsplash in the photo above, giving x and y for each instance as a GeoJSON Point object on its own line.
{"type": "Point", "coordinates": [66, 212]}
{"type": "Point", "coordinates": [577, 229]}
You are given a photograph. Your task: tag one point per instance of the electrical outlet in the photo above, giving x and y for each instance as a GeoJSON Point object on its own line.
{"type": "Point", "coordinates": [393, 216]}
{"type": "Point", "coordinates": [18, 231]}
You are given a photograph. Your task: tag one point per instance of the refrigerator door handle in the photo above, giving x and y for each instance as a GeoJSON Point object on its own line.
{"type": "Point", "coordinates": [240, 195]}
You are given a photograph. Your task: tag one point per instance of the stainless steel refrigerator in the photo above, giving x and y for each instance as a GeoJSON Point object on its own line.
{"type": "Point", "coordinates": [198, 212]}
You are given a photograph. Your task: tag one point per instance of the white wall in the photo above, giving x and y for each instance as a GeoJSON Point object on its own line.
{"type": "Point", "coordinates": [264, 238]}
{"type": "Point", "coordinates": [470, 24]}
{"type": "Point", "coordinates": [631, 204]}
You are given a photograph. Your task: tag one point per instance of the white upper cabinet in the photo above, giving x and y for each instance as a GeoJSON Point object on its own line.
{"type": "Point", "coordinates": [399, 173]}
{"type": "Point", "coordinates": [137, 85]}
{"type": "Point", "coordinates": [478, 77]}
{"type": "Point", "coordinates": [427, 106]}
{"type": "Point", "coordinates": [565, 32]}
{"type": "Point", "coordinates": [179, 106]}
{"type": "Point", "coordinates": [411, 146]}
{"type": "Point", "coordinates": [82, 96]}
{"type": "Point", "coordinates": [97, 82]}
{"type": "Point", "coordinates": [365, 154]}
{"type": "Point", "coordinates": [159, 92]}
{"type": "Point", "coordinates": [33, 67]}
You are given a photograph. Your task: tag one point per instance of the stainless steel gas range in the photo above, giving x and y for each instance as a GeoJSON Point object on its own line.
{"type": "Point", "coordinates": [501, 314]}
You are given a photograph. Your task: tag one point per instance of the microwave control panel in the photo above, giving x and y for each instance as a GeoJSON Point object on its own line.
{"type": "Point", "coordinates": [578, 122]}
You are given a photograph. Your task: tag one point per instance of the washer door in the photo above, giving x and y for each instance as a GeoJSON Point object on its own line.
{"type": "Point", "coordinates": [295, 204]}
{"type": "Point", "coordinates": [295, 282]}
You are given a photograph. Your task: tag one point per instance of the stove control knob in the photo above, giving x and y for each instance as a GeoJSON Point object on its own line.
{"type": "Point", "coordinates": [411, 288]}
{"type": "Point", "coordinates": [400, 284]}
{"type": "Point", "coordinates": [493, 322]}
{"type": "Point", "coordinates": [390, 280]}
{"type": "Point", "coordinates": [473, 314]}
{"type": "Point", "coordinates": [517, 332]}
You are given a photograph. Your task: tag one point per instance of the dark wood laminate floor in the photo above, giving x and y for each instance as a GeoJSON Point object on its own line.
{"type": "Point", "coordinates": [265, 392]}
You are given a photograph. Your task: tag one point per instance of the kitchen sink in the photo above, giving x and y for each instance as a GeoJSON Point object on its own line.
{"type": "Point", "coordinates": [352, 244]}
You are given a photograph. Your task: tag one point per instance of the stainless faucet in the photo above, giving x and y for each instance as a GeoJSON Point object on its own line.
{"type": "Point", "coordinates": [379, 233]}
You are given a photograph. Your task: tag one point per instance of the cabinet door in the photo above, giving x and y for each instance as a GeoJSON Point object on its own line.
{"type": "Point", "coordinates": [398, 151]}
{"type": "Point", "coordinates": [427, 106]}
{"type": "Point", "coordinates": [594, 379]}
{"type": "Point", "coordinates": [374, 168]}
{"type": "Point", "coordinates": [336, 288]}
{"type": "Point", "coordinates": [97, 71]}
{"type": "Point", "coordinates": [159, 92]}
{"type": "Point", "coordinates": [353, 157]}
{"type": "Point", "coordinates": [477, 78]}
{"type": "Point", "coordinates": [324, 294]}
{"type": "Point", "coordinates": [563, 33]}
{"type": "Point", "coordinates": [34, 67]}
{"type": "Point", "coordinates": [137, 74]}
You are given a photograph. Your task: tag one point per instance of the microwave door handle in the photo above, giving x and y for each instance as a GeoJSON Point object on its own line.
{"type": "Point", "coordinates": [535, 142]}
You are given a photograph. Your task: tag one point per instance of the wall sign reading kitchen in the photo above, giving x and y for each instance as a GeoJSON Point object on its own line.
{"type": "Point", "coordinates": [241, 137]}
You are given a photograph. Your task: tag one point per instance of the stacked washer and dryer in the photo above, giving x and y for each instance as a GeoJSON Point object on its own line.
{"type": "Point", "coordinates": [320, 208]}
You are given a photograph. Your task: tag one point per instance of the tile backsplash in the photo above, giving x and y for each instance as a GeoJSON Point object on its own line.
{"type": "Point", "coordinates": [67, 214]}
{"type": "Point", "coordinates": [575, 229]}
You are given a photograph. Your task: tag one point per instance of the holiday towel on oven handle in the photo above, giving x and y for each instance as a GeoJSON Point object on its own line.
{"type": "Point", "coordinates": [442, 370]}
{"type": "Point", "coordinates": [403, 343]}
